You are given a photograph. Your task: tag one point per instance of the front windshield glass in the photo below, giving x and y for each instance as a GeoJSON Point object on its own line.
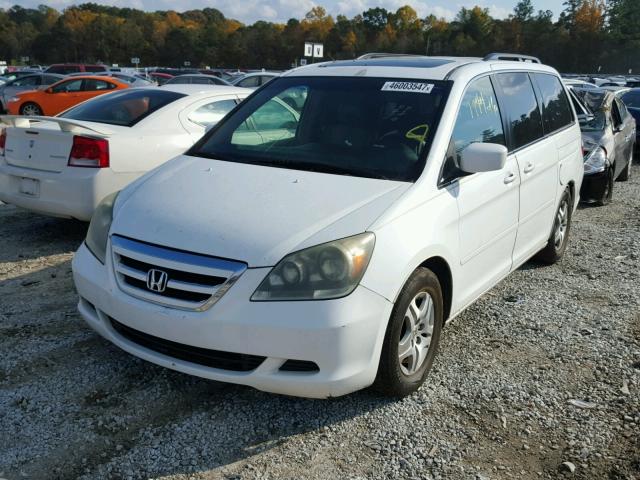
{"type": "Point", "coordinates": [367, 127]}
{"type": "Point", "coordinates": [126, 107]}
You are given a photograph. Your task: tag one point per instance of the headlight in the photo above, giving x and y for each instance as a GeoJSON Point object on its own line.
{"type": "Point", "coordinates": [99, 227]}
{"type": "Point", "coordinates": [596, 161]}
{"type": "Point", "coordinates": [330, 270]}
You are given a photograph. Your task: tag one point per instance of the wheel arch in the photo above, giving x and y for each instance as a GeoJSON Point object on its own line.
{"type": "Point", "coordinates": [441, 269]}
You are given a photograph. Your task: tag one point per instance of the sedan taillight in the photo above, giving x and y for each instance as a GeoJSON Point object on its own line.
{"type": "Point", "coordinates": [89, 152]}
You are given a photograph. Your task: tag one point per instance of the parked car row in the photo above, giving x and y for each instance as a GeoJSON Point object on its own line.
{"type": "Point", "coordinates": [316, 239]}
{"type": "Point", "coordinates": [609, 137]}
{"type": "Point", "coordinates": [65, 165]}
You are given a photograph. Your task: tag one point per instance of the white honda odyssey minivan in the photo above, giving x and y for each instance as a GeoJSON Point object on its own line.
{"type": "Point", "coordinates": [318, 238]}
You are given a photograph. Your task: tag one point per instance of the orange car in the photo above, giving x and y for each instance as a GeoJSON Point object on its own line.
{"type": "Point", "coordinates": [62, 95]}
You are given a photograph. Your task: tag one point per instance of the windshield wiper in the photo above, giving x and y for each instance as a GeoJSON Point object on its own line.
{"type": "Point", "coordinates": [296, 165]}
{"type": "Point", "coordinates": [340, 170]}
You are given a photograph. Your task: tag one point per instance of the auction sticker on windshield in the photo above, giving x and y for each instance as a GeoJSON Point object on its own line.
{"type": "Point", "coordinates": [415, 87]}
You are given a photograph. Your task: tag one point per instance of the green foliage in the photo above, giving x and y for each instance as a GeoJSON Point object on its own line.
{"type": "Point", "coordinates": [587, 35]}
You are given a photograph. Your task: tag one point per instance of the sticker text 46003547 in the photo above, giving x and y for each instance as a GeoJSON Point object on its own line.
{"type": "Point", "coordinates": [414, 87]}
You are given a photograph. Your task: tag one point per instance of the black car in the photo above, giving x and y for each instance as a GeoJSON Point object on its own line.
{"type": "Point", "coordinates": [632, 100]}
{"type": "Point", "coordinates": [608, 137]}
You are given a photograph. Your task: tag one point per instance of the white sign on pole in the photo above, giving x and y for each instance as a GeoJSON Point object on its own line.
{"type": "Point", "coordinates": [318, 50]}
{"type": "Point", "coordinates": [308, 49]}
{"type": "Point", "coordinates": [303, 62]}
{"type": "Point", "coordinates": [135, 60]}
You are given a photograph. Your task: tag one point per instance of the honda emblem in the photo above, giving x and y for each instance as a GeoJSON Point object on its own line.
{"type": "Point", "coordinates": [157, 280]}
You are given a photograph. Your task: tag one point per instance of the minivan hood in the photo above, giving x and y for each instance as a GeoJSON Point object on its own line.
{"type": "Point", "coordinates": [250, 213]}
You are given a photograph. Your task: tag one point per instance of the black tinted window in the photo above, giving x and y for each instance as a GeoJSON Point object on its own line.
{"type": "Point", "coordinates": [556, 112]}
{"type": "Point", "coordinates": [125, 108]}
{"type": "Point", "coordinates": [478, 121]}
{"type": "Point", "coordinates": [68, 86]}
{"type": "Point", "coordinates": [632, 99]}
{"type": "Point", "coordinates": [26, 81]}
{"type": "Point", "coordinates": [201, 81]}
{"type": "Point", "coordinates": [91, 84]}
{"type": "Point", "coordinates": [250, 82]}
{"type": "Point", "coordinates": [521, 108]}
{"type": "Point", "coordinates": [181, 80]}
{"type": "Point", "coordinates": [63, 69]}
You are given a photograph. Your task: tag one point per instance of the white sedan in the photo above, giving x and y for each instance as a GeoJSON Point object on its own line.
{"type": "Point", "coordinates": [64, 166]}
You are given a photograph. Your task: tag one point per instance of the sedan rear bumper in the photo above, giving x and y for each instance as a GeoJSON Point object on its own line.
{"type": "Point", "coordinates": [72, 193]}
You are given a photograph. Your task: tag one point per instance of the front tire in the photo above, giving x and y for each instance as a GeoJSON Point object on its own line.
{"type": "Point", "coordinates": [557, 243]}
{"type": "Point", "coordinates": [412, 336]}
{"type": "Point", "coordinates": [607, 193]}
{"type": "Point", "coordinates": [30, 109]}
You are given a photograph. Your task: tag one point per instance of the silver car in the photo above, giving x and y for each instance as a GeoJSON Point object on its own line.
{"type": "Point", "coordinates": [608, 139]}
{"type": "Point", "coordinates": [254, 79]}
{"type": "Point", "coordinates": [27, 82]}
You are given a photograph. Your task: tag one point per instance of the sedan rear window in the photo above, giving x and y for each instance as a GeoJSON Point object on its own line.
{"type": "Point", "coordinates": [367, 127]}
{"type": "Point", "coordinates": [124, 108]}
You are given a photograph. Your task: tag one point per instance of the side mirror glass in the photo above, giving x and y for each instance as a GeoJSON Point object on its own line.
{"type": "Point", "coordinates": [483, 157]}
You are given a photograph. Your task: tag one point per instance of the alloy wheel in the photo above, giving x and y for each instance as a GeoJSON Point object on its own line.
{"type": "Point", "coordinates": [31, 110]}
{"type": "Point", "coordinates": [416, 334]}
{"type": "Point", "coordinates": [562, 221]}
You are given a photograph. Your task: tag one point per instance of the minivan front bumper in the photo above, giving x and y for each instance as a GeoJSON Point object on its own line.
{"type": "Point", "coordinates": [343, 337]}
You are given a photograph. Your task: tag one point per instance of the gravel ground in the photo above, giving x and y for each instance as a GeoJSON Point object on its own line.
{"type": "Point", "coordinates": [544, 369]}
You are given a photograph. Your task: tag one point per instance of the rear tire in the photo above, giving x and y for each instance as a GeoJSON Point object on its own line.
{"type": "Point", "coordinates": [412, 336]}
{"type": "Point", "coordinates": [626, 173]}
{"type": "Point", "coordinates": [30, 109]}
{"type": "Point", "coordinates": [559, 238]}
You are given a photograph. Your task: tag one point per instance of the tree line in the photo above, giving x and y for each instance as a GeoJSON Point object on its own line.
{"type": "Point", "coordinates": [587, 36]}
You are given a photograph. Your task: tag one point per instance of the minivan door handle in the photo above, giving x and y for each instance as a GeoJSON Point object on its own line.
{"type": "Point", "coordinates": [510, 178]}
{"type": "Point", "coordinates": [530, 167]}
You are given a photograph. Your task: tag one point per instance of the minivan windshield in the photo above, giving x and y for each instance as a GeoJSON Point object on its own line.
{"type": "Point", "coordinates": [359, 126]}
{"type": "Point", "coordinates": [125, 108]}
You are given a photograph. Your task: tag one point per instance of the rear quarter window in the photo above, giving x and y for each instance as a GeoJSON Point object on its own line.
{"type": "Point", "coordinates": [556, 112]}
{"type": "Point", "coordinates": [520, 106]}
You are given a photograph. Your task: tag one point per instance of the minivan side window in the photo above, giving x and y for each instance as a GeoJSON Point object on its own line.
{"type": "Point", "coordinates": [521, 108]}
{"type": "Point", "coordinates": [556, 112]}
{"type": "Point", "coordinates": [478, 121]}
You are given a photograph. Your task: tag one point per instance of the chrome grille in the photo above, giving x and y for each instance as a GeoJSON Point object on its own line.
{"type": "Point", "coordinates": [170, 277]}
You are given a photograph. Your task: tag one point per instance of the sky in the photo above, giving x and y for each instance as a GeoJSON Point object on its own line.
{"type": "Point", "coordinates": [248, 11]}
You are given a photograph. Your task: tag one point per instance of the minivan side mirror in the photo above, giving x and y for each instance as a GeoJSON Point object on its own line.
{"type": "Point", "coordinates": [49, 90]}
{"type": "Point", "coordinates": [483, 157]}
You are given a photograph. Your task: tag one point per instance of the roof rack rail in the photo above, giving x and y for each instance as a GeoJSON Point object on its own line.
{"type": "Point", "coordinates": [512, 57]}
{"type": "Point", "coordinates": [369, 56]}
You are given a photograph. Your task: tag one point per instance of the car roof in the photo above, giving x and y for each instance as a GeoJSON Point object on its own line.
{"type": "Point", "coordinates": [414, 66]}
{"type": "Point", "coordinates": [89, 76]}
{"type": "Point", "coordinates": [195, 75]}
{"type": "Point", "coordinates": [255, 74]}
{"type": "Point", "coordinates": [202, 89]}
